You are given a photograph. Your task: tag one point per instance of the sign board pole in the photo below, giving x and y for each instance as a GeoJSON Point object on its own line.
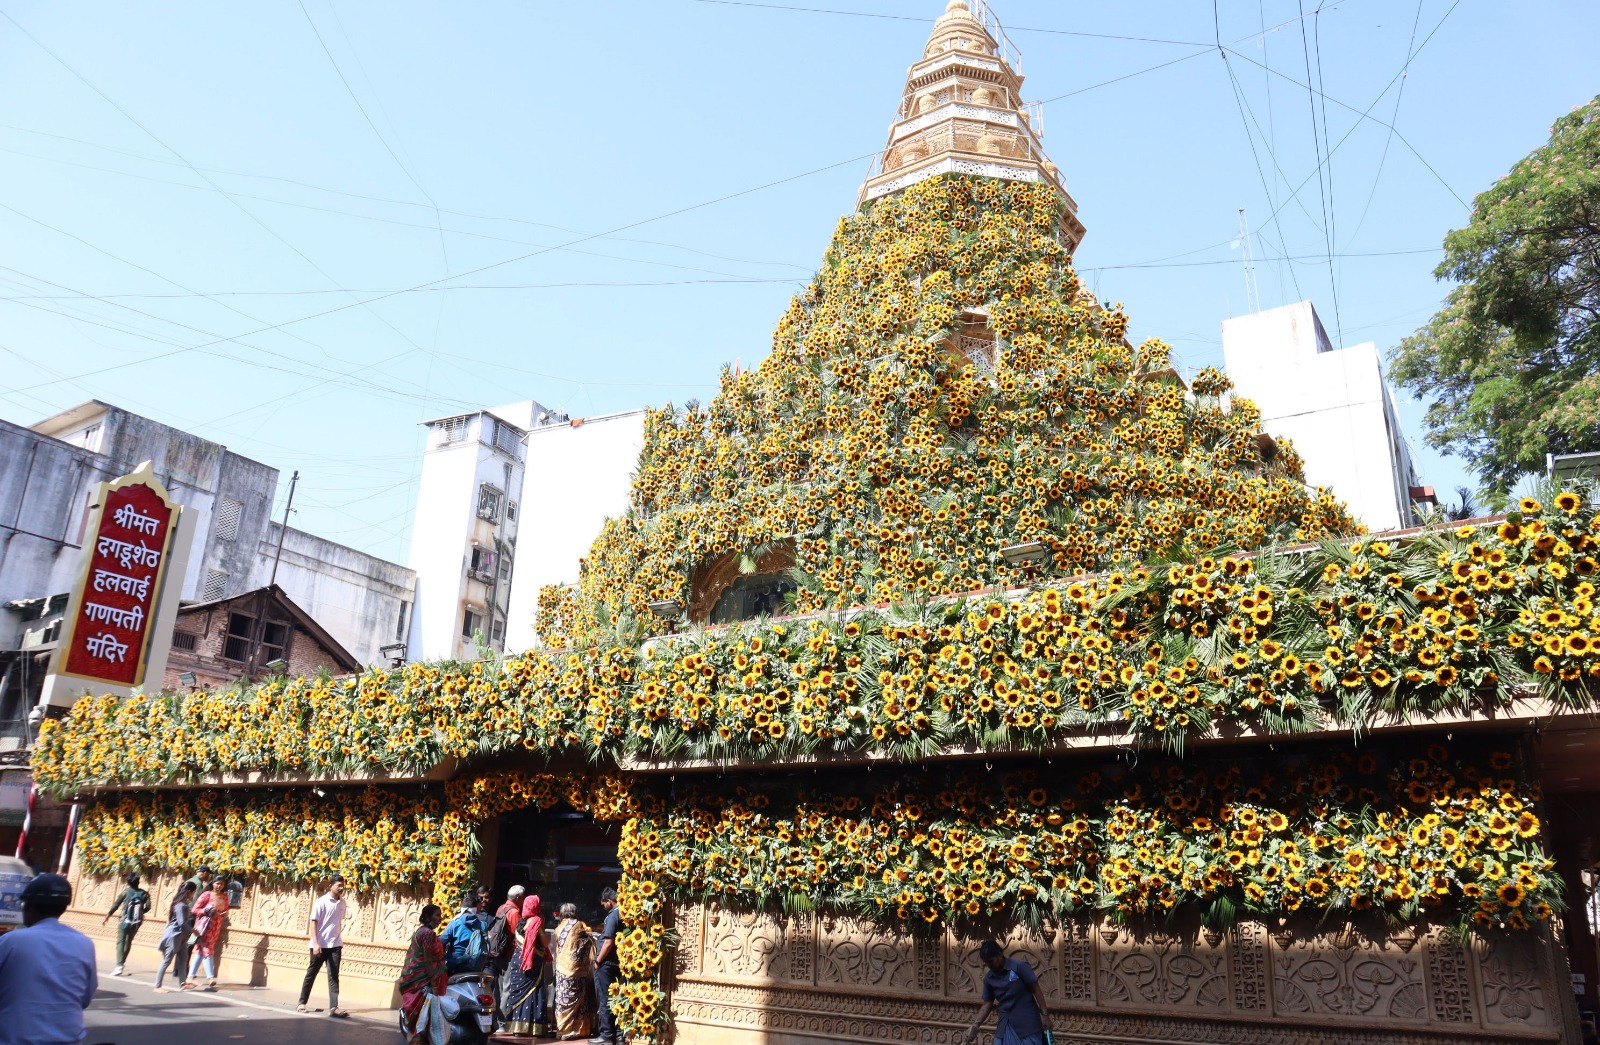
{"type": "Point", "coordinates": [117, 631]}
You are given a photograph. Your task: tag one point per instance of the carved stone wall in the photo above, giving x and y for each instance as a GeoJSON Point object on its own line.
{"type": "Point", "coordinates": [264, 940]}
{"type": "Point", "coordinates": [810, 978]}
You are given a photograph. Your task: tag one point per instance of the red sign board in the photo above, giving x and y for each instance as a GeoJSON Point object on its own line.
{"type": "Point", "coordinates": [118, 595]}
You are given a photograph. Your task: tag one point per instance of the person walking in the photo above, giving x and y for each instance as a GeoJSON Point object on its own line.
{"type": "Point", "coordinates": [47, 970]}
{"type": "Point", "coordinates": [574, 976]}
{"type": "Point", "coordinates": [423, 976]}
{"type": "Point", "coordinates": [326, 931]}
{"type": "Point", "coordinates": [174, 943]}
{"type": "Point", "coordinates": [607, 969]}
{"type": "Point", "coordinates": [502, 944]}
{"type": "Point", "coordinates": [1011, 985]}
{"type": "Point", "coordinates": [209, 912]}
{"type": "Point", "coordinates": [134, 903]}
{"type": "Point", "coordinates": [201, 881]}
{"type": "Point", "coordinates": [525, 979]}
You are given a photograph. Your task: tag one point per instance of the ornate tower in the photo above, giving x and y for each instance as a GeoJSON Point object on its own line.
{"type": "Point", "coordinates": [962, 113]}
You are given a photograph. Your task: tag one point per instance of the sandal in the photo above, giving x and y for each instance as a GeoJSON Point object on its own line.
{"type": "Point", "coordinates": [339, 1013]}
{"type": "Point", "coordinates": [186, 986]}
{"type": "Point", "coordinates": [302, 1008]}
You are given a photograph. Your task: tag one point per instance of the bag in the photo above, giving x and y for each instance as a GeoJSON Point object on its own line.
{"type": "Point", "coordinates": [464, 946]}
{"type": "Point", "coordinates": [134, 913]}
{"type": "Point", "coordinates": [499, 940]}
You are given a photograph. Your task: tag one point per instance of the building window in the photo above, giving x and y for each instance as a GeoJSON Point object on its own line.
{"type": "Point", "coordinates": [216, 583]}
{"type": "Point", "coordinates": [499, 631]}
{"type": "Point", "coordinates": [506, 438]}
{"type": "Point", "coordinates": [400, 625]}
{"type": "Point", "coordinates": [481, 565]}
{"type": "Point", "coordinates": [184, 640]}
{"type": "Point", "coordinates": [228, 511]}
{"type": "Point", "coordinates": [470, 623]}
{"type": "Point", "coordinates": [274, 639]}
{"type": "Point", "coordinates": [488, 503]}
{"type": "Point", "coordinates": [763, 595]}
{"type": "Point", "coordinates": [89, 438]}
{"type": "Point", "coordinates": [511, 511]}
{"type": "Point", "coordinates": [450, 430]}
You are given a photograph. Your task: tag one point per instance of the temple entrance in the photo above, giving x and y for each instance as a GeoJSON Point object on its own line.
{"type": "Point", "coordinates": [559, 855]}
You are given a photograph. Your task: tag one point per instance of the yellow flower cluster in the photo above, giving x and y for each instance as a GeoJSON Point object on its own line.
{"type": "Point", "coordinates": [944, 387]}
{"type": "Point", "coordinates": [1429, 836]}
{"type": "Point", "coordinates": [396, 835]}
{"type": "Point", "coordinates": [1326, 637]}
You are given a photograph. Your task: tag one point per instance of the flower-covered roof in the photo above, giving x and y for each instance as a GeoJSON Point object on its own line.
{"type": "Point", "coordinates": [943, 388]}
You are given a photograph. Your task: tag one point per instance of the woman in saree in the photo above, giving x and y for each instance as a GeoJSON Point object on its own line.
{"type": "Point", "coordinates": [209, 912]}
{"type": "Point", "coordinates": [574, 976]}
{"type": "Point", "coordinates": [421, 978]}
{"type": "Point", "coordinates": [525, 983]}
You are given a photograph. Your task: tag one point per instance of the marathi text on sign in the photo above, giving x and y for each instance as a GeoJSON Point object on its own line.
{"type": "Point", "coordinates": [121, 583]}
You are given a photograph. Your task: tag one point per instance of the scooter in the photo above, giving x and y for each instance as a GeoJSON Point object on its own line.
{"type": "Point", "coordinates": [468, 1007]}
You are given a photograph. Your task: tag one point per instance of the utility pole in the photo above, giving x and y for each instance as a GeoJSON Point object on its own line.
{"type": "Point", "coordinates": [259, 629]}
{"type": "Point", "coordinates": [294, 480]}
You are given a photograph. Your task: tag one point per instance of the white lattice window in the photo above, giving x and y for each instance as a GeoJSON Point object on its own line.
{"type": "Point", "coordinates": [216, 584]}
{"type": "Point", "coordinates": [228, 512]}
{"type": "Point", "coordinates": [506, 438]}
{"type": "Point", "coordinates": [450, 430]}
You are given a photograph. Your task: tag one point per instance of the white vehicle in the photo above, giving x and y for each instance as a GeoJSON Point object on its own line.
{"type": "Point", "coordinates": [14, 875]}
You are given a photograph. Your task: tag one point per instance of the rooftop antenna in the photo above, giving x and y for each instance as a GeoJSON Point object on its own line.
{"type": "Point", "coordinates": [1252, 296]}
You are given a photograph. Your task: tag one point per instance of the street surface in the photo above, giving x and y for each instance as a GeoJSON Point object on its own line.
{"type": "Point", "coordinates": [126, 1011]}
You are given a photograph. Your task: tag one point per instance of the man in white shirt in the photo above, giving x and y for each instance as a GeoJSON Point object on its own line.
{"type": "Point", "coordinates": [47, 971]}
{"type": "Point", "coordinates": [327, 942]}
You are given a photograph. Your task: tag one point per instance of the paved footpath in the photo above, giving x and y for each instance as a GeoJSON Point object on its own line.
{"type": "Point", "coordinates": [127, 1011]}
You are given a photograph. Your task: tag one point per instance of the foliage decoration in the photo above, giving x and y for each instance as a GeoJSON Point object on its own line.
{"type": "Point", "coordinates": [898, 466]}
{"type": "Point", "coordinates": [1336, 636]}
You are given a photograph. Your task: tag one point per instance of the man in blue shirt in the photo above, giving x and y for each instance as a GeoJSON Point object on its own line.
{"type": "Point", "coordinates": [607, 970]}
{"type": "Point", "coordinates": [47, 970]}
{"type": "Point", "coordinates": [1010, 984]}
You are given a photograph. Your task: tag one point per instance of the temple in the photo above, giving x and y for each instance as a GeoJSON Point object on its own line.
{"type": "Point", "coordinates": [958, 617]}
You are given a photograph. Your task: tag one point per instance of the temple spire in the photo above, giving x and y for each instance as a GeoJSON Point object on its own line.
{"type": "Point", "coordinates": [962, 113]}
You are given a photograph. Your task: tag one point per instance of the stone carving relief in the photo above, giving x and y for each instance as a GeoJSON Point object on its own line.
{"type": "Point", "coordinates": [1182, 983]}
{"type": "Point", "coordinates": [749, 946]}
{"type": "Point", "coordinates": [1164, 969]}
{"type": "Point", "coordinates": [857, 954]}
{"type": "Point", "coordinates": [690, 921]}
{"type": "Point", "coordinates": [276, 910]}
{"type": "Point", "coordinates": [1513, 992]}
{"type": "Point", "coordinates": [1348, 975]}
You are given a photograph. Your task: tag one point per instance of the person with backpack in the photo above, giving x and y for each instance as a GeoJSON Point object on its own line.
{"type": "Point", "coordinates": [134, 903]}
{"type": "Point", "coordinates": [465, 939]}
{"type": "Point", "coordinates": [502, 938]}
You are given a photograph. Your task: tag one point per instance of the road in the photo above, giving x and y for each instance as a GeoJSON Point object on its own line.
{"type": "Point", "coordinates": [127, 1012]}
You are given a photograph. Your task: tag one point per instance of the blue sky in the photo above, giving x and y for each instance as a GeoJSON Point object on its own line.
{"type": "Point", "coordinates": [383, 185]}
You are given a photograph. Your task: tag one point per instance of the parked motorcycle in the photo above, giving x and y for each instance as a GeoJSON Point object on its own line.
{"type": "Point", "coordinates": [468, 1007]}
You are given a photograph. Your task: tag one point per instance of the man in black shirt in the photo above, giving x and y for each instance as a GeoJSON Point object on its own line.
{"type": "Point", "coordinates": [607, 969]}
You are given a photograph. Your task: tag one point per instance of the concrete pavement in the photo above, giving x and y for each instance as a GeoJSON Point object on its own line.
{"type": "Point", "coordinates": [127, 1011]}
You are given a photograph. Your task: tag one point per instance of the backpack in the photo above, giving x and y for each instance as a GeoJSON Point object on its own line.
{"type": "Point", "coordinates": [463, 945]}
{"type": "Point", "coordinates": [498, 941]}
{"type": "Point", "coordinates": [133, 914]}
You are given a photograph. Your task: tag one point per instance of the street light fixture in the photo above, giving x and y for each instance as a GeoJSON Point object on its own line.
{"type": "Point", "coordinates": [278, 666]}
{"type": "Point", "coordinates": [1025, 552]}
{"type": "Point", "coordinates": [394, 653]}
{"type": "Point", "coordinates": [667, 610]}
{"type": "Point", "coordinates": [188, 679]}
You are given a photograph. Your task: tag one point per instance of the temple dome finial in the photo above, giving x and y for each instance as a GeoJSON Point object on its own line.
{"type": "Point", "coordinates": [962, 113]}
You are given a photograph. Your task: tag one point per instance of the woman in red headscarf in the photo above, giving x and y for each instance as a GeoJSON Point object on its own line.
{"type": "Point", "coordinates": [525, 984]}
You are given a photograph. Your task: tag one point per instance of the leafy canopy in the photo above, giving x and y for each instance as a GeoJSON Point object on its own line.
{"type": "Point", "coordinates": [1512, 361]}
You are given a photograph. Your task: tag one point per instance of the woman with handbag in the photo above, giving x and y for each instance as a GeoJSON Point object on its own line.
{"type": "Point", "coordinates": [209, 912]}
{"type": "Point", "coordinates": [174, 943]}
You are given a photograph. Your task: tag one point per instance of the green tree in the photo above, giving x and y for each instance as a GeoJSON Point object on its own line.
{"type": "Point", "coordinates": [1512, 361]}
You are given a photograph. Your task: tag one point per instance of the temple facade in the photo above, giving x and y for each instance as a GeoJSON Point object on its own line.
{"type": "Point", "coordinates": [959, 617]}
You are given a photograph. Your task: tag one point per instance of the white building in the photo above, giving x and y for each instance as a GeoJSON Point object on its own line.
{"type": "Point", "coordinates": [580, 472]}
{"type": "Point", "coordinates": [464, 535]}
{"type": "Point", "coordinates": [49, 472]}
{"type": "Point", "coordinates": [510, 499]}
{"type": "Point", "coordinates": [1333, 403]}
